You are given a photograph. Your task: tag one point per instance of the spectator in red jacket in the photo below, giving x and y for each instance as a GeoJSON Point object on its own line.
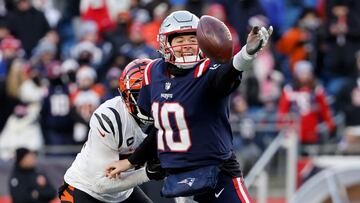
{"type": "Point", "coordinates": [307, 99]}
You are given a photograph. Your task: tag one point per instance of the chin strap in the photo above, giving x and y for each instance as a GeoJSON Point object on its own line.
{"type": "Point", "coordinates": [186, 62]}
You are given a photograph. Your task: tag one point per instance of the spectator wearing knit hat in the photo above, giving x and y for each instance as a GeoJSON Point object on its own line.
{"type": "Point", "coordinates": [85, 100]}
{"type": "Point", "coordinates": [57, 123]}
{"type": "Point", "coordinates": [91, 49]}
{"type": "Point", "coordinates": [87, 53]}
{"type": "Point", "coordinates": [69, 68]}
{"type": "Point", "coordinates": [26, 183]}
{"type": "Point", "coordinates": [44, 56]}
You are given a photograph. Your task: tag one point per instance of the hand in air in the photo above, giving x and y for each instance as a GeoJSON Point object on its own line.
{"type": "Point", "coordinates": [257, 39]}
{"type": "Point", "coordinates": [114, 169]}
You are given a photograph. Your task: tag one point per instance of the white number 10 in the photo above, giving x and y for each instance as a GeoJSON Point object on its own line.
{"type": "Point", "coordinates": [162, 123]}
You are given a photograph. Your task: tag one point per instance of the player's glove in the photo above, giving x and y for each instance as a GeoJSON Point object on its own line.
{"type": "Point", "coordinates": [154, 170]}
{"type": "Point", "coordinates": [257, 39]}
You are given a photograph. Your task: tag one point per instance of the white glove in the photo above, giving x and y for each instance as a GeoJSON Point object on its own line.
{"type": "Point", "coordinates": [257, 39]}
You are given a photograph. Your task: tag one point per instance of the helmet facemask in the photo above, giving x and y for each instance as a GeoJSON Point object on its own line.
{"type": "Point", "coordinates": [130, 85]}
{"type": "Point", "coordinates": [187, 54]}
{"type": "Point", "coordinates": [179, 23]}
{"type": "Point", "coordinates": [130, 97]}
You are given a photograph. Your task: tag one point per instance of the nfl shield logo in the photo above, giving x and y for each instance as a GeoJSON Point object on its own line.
{"type": "Point", "coordinates": [167, 85]}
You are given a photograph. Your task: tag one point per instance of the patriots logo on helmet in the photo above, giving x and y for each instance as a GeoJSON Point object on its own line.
{"type": "Point", "coordinates": [187, 181]}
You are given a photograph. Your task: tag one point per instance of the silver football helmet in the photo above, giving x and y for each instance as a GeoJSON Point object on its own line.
{"type": "Point", "coordinates": [176, 23]}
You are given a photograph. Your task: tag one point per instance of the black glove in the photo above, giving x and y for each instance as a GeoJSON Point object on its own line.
{"type": "Point", "coordinates": [154, 170]}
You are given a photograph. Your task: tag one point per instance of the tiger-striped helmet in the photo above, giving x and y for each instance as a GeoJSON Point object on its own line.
{"type": "Point", "coordinates": [130, 83]}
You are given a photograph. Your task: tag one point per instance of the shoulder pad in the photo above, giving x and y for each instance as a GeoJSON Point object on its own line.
{"type": "Point", "coordinates": [106, 119]}
{"type": "Point", "coordinates": [201, 68]}
{"type": "Point", "coordinates": [147, 73]}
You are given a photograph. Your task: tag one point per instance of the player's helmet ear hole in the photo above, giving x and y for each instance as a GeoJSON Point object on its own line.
{"type": "Point", "coordinates": [130, 83]}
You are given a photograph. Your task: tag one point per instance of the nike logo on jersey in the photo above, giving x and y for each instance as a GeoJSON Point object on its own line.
{"type": "Point", "coordinates": [219, 193]}
{"type": "Point", "coordinates": [102, 134]}
{"type": "Point", "coordinates": [215, 66]}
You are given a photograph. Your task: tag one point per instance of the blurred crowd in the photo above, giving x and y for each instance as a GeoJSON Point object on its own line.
{"type": "Point", "coordinates": [61, 59]}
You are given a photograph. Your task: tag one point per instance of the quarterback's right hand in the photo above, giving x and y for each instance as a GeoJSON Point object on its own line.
{"type": "Point", "coordinates": [114, 169]}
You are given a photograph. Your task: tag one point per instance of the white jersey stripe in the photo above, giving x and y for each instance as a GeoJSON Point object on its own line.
{"type": "Point", "coordinates": [147, 72]}
{"type": "Point", "coordinates": [201, 68]}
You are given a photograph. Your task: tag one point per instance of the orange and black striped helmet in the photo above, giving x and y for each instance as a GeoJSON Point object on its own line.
{"type": "Point", "coordinates": [130, 83]}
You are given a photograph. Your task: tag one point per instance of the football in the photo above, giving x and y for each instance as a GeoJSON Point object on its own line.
{"type": "Point", "coordinates": [214, 39]}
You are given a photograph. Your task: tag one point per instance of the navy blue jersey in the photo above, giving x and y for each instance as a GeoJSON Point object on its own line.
{"type": "Point", "coordinates": [191, 117]}
{"type": "Point", "coordinates": [56, 109]}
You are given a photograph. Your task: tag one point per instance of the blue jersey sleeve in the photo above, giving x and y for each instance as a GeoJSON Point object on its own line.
{"type": "Point", "coordinates": [144, 100]}
{"type": "Point", "coordinates": [223, 78]}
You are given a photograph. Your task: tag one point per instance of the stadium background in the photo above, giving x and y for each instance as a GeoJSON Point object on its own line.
{"type": "Point", "coordinates": [60, 59]}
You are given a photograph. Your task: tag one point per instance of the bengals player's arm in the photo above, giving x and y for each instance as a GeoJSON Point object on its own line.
{"type": "Point", "coordinates": [147, 151]}
{"type": "Point", "coordinates": [121, 182]}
